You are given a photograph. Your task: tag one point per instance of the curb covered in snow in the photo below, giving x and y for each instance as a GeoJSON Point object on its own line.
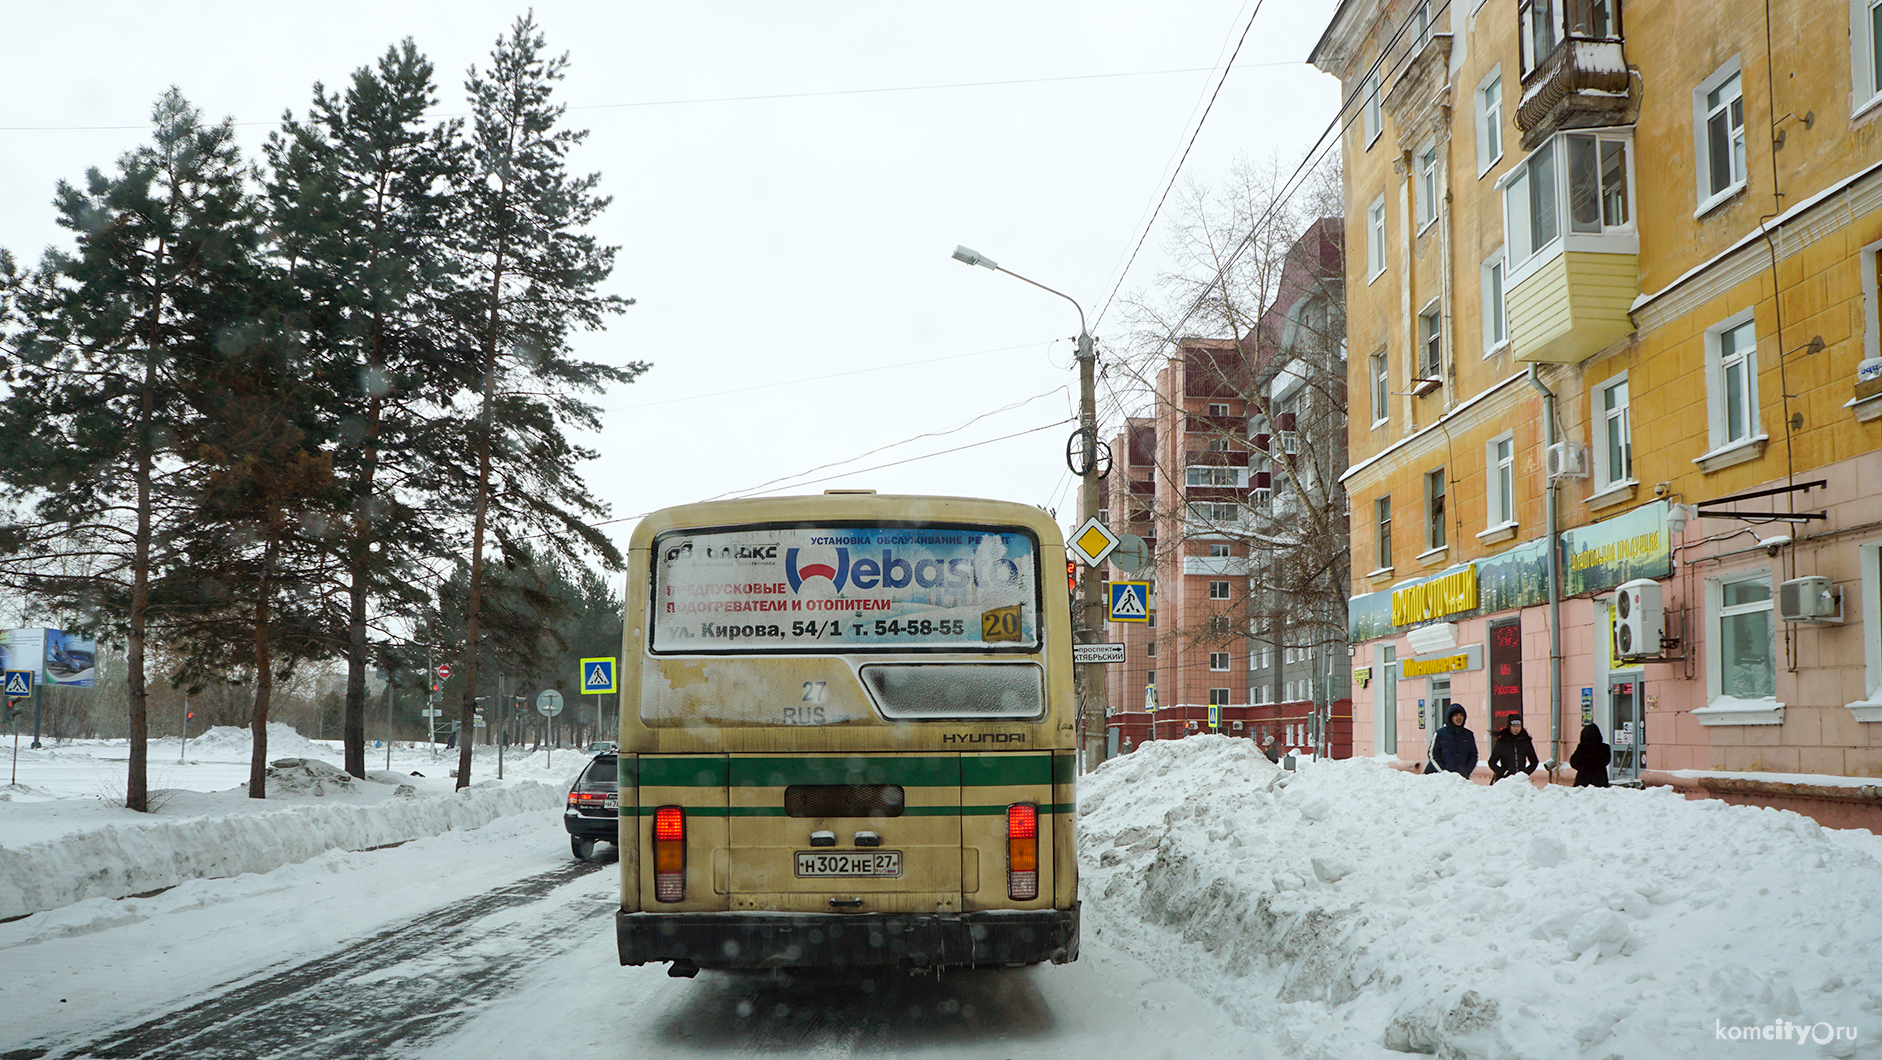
{"type": "Point", "coordinates": [118, 861]}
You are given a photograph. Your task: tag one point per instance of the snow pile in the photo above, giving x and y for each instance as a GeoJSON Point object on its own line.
{"type": "Point", "coordinates": [127, 859]}
{"type": "Point", "coordinates": [307, 776]}
{"type": "Point", "coordinates": [1355, 910]}
{"type": "Point", "coordinates": [231, 742]}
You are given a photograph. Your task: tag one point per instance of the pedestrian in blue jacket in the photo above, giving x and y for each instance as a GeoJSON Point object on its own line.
{"type": "Point", "coordinates": [1455, 747]}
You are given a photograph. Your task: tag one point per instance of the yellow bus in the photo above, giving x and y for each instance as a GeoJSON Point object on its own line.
{"type": "Point", "coordinates": [847, 736]}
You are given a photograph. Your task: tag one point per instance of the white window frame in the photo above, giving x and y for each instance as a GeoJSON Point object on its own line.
{"type": "Point", "coordinates": [1865, 74]}
{"type": "Point", "coordinates": [1437, 515]}
{"type": "Point", "coordinates": [1375, 239]}
{"type": "Point", "coordinates": [1382, 530]}
{"type": "Point", "coordinates": [1218, 409]}
{"type": "Point", "coordinates": [1710, 197]}
{"type": "Point", "coordinates": [1496, 318]}
{"type": "Point", "coordinates": [1418, 22]}
{"type": "Point", "coordinates": [1717, 366]}
{"type": "Point", "coordinates": [1720, 708]}
{"type": "Point", "coordinates": [1218, 662]}
{"type": "Point", "coordinates": [1523, 252]}
{"type": "Point", "coordinates": [1499, 464]}
{"type": "Point", "coordinates": [1606, 476]}
{"type": "Point", "coordinates": [1869, 556]}
{"type": "Point", "coordinates": [1427, 185]}
{"type": "Point", "coordinates": [1218, 590]}
{"type": "Point", "coordinates": [1431, 341]}
{"type": "Point", "coordinates": [1490, 120]}
{"type": "Point", "coordinates": [1381, 388]}
{"type": "Point", "coordinates": [1206, 475]}
{"type": "Point", "coordinates": [1371, 121]}
{"type": "Point", "coordinates": [1150, 650]}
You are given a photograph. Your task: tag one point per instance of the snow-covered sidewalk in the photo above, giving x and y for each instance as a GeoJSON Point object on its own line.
{"type": "Point", "coordinates": [1352, 910]}
{"type": "Point", "coordinates": [65, 836]}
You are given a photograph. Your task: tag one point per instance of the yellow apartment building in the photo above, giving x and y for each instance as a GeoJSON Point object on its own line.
{"type": "Point", "coordinates": [1611, 283]}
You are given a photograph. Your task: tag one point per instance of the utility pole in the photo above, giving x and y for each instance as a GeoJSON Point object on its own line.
{"type": "Point", "coordinates": [1090, 620]}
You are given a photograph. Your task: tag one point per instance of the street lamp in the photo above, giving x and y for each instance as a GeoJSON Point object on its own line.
{"type": "Point", "coordinates": [1091, 583]}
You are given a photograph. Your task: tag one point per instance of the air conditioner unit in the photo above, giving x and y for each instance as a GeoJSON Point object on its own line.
{"type": "Point", "coordinates": [1639, 619]}
{"type": "Point", "coordinates": [1235, 726]}
{"type": "Point", "coordinates": [1811, 599]}
{"type": "Point", "coordinates": [1567, 460]}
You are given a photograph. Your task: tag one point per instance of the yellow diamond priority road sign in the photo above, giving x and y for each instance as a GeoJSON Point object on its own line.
{"type": "Point", "coordinates": [1092, 542]}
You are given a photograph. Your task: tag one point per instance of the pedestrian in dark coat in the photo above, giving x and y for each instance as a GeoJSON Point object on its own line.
{"type": "Point", "coordinates": [1590, 760]}
{"type": "Point", "coordinates": [1273, 752]}
{"type": "Point", "coordinates": [1454, 749]}
{"type": "Point", "coordinates": [1512, 752]}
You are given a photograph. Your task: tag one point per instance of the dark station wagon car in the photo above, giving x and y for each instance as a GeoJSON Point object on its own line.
{"type": "Point", "coordinates": [594, 803]}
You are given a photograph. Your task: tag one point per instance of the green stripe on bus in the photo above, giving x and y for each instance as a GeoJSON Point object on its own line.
{"type": "Point", "coordinates": [915, 771]}
{"type": "Point", "coordinates": [912, 811]}
{"type": "Point", "coordinates": [991, 770]}
{"type": "Point", "coordinates": [1064, 769]}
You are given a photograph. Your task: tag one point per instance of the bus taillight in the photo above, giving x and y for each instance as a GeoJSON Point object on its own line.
{"type": "Point", "coordinates": [669, 854]}
{"type": "Point", "coordinates": [1022, 851]}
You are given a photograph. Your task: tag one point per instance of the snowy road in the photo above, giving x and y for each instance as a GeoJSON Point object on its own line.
{"type": "Point", "coordinates": [492, 942]}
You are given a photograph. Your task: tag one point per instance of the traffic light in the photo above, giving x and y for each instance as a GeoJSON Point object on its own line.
{"type": "Point", "coordinates": [1071, 576]}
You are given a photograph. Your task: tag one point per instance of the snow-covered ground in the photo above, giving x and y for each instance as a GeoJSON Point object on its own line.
{"type": "Point", "coordinates": [65, 835]}
{"type": "Point", "coordinates": [1231, 909]}
{"type": "Point", "coordinates": [1352, 910]}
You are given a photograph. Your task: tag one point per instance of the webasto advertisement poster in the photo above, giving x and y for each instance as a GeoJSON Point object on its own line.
{"type": "Point", "coordinates": [54, 656]}
{"type": "Point", "coordinates": [845, 589]}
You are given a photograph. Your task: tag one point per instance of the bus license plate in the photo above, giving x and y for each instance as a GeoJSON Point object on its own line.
{"type": "Point", "coordinates": [845, 863]}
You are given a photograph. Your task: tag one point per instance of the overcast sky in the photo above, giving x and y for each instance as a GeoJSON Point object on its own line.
{"type": "Point", "coordinates": [789, 181]}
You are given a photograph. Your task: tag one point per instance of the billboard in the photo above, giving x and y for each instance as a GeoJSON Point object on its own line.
{"type": "Point", "coordinates": [55, 656]}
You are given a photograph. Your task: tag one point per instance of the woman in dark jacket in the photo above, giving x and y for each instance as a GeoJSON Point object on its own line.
{"type": "Point", "coordinates": [1512, 752]}
{"type": "Point", "coordinates": [1590, 760]}
{"type": "Point", "coordinates": [1454, 749]}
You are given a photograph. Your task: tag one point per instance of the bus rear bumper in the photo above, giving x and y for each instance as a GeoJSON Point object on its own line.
{"type": "Point", "coordinates": [817, 940]}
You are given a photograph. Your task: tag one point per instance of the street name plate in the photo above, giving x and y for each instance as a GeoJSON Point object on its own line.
{"type": "Point", "coordinates": [1097, 653]}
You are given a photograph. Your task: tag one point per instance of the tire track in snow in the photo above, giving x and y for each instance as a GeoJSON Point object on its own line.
{"type": "Point", "coordinates": [394, 988]}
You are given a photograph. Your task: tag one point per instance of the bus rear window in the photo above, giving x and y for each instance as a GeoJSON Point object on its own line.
{"type": "Point", "coordinates": [956, 690]}
{"type": "Point", "coordinates": [845, 589]}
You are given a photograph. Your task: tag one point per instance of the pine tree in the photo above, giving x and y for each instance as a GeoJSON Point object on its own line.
{"type": "Point", "coordinates": [532, 276]}
{"type": "Point", "coordinates": [105, 341]}
{"type": "Point", "coordinates": [359, 196]}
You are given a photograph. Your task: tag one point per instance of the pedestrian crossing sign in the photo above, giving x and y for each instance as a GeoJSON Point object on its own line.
{"type": "Point", "coordinates": [598, 676]}
{"type": "Point", "coordinates": [1130, 602]}
{"type": "Point", "coordinates": [19, 684]}
{"type": "Point", "coordinates": [1215, 717]}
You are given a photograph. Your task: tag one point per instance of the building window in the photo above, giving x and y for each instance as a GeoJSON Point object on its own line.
{"type": "Point", "coordinates": [1218, 697]}
{"type": "Point", "coordinates": [1431, 344]}
{"type": "Point", "coordinates": [1614, 447]}
{"type": "Point", "coordinates": [1218, 410]}
{"type": "Point", "coordinates": [1213, 476]}
{"type": "Point", "coordinates": [1865, 64]}
{"type": "Point", "coordinates": [1427, 185]}
{"type": "Point", "coordinates": [1375, 239]}
{"type": "Point", "coordinates": [1218, 445]}
{"type": "Point", "coordinates": [1218, 660]}
{"type": "Point", "coordinates": [1218, 550]}
{"type": "Point", "coordinates": [1369, 91]}
{"type": "Point", "coordinates": [1152, 616]}
{"type": "Point", "coordinates": [1496, 325]}
{"type": "Point", "coordinates": [1499, 459]}
{"type": "Point", "coordinates": [1539, 25]}
{"type": "Point", "coordinates": [1418, 26]}
{"type": "Point", "coordinates": [1150, 649]}
{"type": "Point", "coordinates": [1382, 515]}
{"type": "Point", "coordinates": [1434, 509]}
{"type": "Point", "coordinates": [1214, 515]}
{"type": "Point", "coordinates": [1719, 135]}
{"type": "Point", "coordinates": [1747, 663]}
{"type": "Point", "coordinates": [1489, 121]}
{"type": "Point", "coordinates": [1218, 590]}
{"type": "Point", "coordinates": [1732, 381]}
{"type": "Point", "coordinates": [1381, 388]}
{"type": "Point", "coordinates": [1595, 199]}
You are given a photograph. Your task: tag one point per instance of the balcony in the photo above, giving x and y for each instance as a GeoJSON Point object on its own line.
{"type": "Point", "coordinates": [1215, 458]}
{"type": "Point", "coordinates": [1583, 85]}
{"type": "Point", "coordinates": [1217, 566]}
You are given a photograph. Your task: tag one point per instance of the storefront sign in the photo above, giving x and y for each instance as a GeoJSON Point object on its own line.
{"type": "Point", "coordinates": [1605, 554]}
{"type": "Point", "coordinates": [1515, 578]}
{"type": "Point", "coordinates": [1447, 594]}
{"type": "Point", "coordinates": [1469, 657]}
{"type": "Point", "coordinates": [1506, 672]}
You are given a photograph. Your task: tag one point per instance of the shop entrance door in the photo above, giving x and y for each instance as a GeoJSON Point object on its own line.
{"type": "Point", "coordinates": [1385, 695]}
{"type": "Point", "coordinates": [1627, 728]}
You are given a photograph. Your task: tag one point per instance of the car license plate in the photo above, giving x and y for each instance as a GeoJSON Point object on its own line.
{"type": "Point", "coordinates": [613, 802]}
{"type": "Point", "coordinates": [849, 863]}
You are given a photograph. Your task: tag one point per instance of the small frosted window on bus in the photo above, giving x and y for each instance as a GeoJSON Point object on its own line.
{"type": "Point", "coordinates": [968, 690]}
